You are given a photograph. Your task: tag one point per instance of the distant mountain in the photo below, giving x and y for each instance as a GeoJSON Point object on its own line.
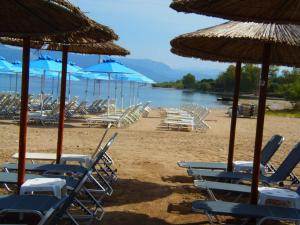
{"type": "Point", "coordinates": [157, 71]}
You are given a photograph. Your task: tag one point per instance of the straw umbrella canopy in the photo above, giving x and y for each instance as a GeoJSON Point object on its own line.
{"type": "Point", "coordinates": [245, 42]}
{"type": "Point", "coordinates": [267, 11]}
{"type": "Point", "coordinates": [39, 17]}
{"type": "Point", "coordinates": [35, 18]}
{"type": "Point", "coordinates": [236, 41]}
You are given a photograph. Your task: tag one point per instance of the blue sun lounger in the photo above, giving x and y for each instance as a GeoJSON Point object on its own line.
{"type": "Point", "coordinates": [49, 208]}
{"type": "Point", "coordinates": [49, 169]}
{"type": "Point", "coordinates": [280, 175]}
{"type": "Point", "coordinates": [227, 187]}
{"type": "Point", "coordinates": [268, 151]}
{"type": "Point", "coordinates": [71, 182]}
{"type": "Point", "coordinates": [240, 210]}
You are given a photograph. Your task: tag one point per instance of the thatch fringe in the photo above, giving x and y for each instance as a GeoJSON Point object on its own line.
{"type": "Point", "coordinates": [236, 41]}
{"type": "Point", "coordinates": [267, 11]}
{"type": "Point", "coordinates": [104, 48]}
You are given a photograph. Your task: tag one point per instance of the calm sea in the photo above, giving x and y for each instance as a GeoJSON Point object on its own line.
{"type": "Point", "coordinates": [160, 97]}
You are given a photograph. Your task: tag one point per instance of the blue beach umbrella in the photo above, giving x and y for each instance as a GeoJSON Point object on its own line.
{"type": "Point", "coordinates": [118, 72]}
{"type": "Point", "coordinates": [93, 76]}
{"type": "Point", "coordinates": [49, 68]}
{"type": "Point", "coordinates": [8, 68]}
{"type": "Point", "coordinates": [110, 67]}
{"type": "Point", "coordinates": [133, 77]}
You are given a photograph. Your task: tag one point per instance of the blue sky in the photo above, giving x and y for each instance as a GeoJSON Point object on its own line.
{"type": "Point", "coordinates": [146, 27]}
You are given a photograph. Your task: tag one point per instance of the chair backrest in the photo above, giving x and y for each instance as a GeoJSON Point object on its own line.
{"type": "Point", "coordinates": [270, 148]}
{"type": "Point", "coordinates": [56, 213]}
{"type": "Point", "coordinates": [287, 165]}
{"type": "Point", "coordinates": [100, 143]}
{"type": "Point", "coordinates": [102, 152]}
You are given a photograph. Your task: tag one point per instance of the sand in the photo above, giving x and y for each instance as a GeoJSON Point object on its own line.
{"type": "Point", "coordinates": [151, 188]}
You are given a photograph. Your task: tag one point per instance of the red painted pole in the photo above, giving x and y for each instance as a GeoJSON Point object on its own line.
{"type": "Point", "coordinates": [60, 137]}
{"type": "Point", "coordinates": [238, 69]}
{"type": "Point", "coordinates": [24, 112]}
{"type": "Point", "coordinates": [260, 122]}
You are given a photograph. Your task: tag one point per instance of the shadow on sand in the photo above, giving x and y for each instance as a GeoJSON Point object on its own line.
{"type": "Point", "coordinates": [128, 191]}
{"type": "Point", "coordinates": [178, 179]}
{"type": "Point", "coordinates": [129, 218]}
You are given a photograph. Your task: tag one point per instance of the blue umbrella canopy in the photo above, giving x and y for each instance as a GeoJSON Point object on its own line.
{"type": "Point", "coordinates": [7, 67]}
{"type": "Point", "coordinates": [118, 71]}
{"type": "Point", "coordinates": [108, 66]}
{"type": "Point", "coordinates": [71, 68]}
{"type": "Point", "coordinates": [18, 65]}
{"type": "Point", "coordinates": [74, 65]}
{"type": "Point", "coordinates": [46, 65]}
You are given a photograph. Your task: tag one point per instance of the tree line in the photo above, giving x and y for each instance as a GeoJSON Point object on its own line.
{"type": "Point", "coordinates": [285, 84]}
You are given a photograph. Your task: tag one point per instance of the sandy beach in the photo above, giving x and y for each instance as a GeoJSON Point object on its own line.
{"type": "Point", "coordinates": [152, 189]}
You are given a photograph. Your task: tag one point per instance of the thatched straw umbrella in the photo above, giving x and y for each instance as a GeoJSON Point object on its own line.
{"type": "Point", "coordinates": [250, 43]}
{"type": "Point", "coordinates": [39, 17]}
{"type": "Point", "coordinates": [267, 11]}
{"type": "Point", "coordinates": [35, 18]}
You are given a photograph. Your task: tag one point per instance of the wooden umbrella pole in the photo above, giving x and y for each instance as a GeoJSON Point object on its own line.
{"type": "Point", "coordinates": [234, 115]}
{"type": "Point", "coordinates": [24, 112]}
{"type": "Point", "coordinates": [60, 137]}
{"type": "Point", "coordinates": [260, 122]}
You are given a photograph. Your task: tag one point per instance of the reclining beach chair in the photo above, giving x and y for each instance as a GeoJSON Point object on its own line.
{"type": "Point", "coordinates": [42, 117]}
{"type": "Point", "coordinates": [280, 175]}
{"type": "Point", "coordinates": [266, 154]}
{"type": "Point", "coordinates": [239, 189]}
{"type": "Point", "coordinates": [51, 171]}
{"type": "Point", "coordinates": [103, 171]}
{"type": "Point", "coordinates": [72, 182]}
{"type": "Point", "coordinates": [49, 208]}
{"type": "Point", "coordinates": [240, 210]}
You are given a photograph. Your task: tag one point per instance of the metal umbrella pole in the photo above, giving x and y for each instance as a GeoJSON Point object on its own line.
{"type": "Point", "coordinates": [94, 88]}
{"type": "Point", "coordinates": [133, 91]}
{"type": "Point", "coordinates": [42, 90]}
{"type": "Point", "coordinates": [69, 92]}
{"type": "Point", "coordinates": [122, 96]}
{"type": "Point", "coordinates": [116, 87]}
{"type": "Point", "coordinates": [10, 81]}
{"type": "Point", "coordinates": [108, 92]}
{"type": "Point", "coordinates": [52, 86]}
{"type": "Point", "coordinates": [16, 84]}
{"type": "Point", "coordinates": [57, 88]}
{"type": "Point", "coordinates": [99, 89]}
{"type": "Point", "coordinates": [86, 89]}
{"type": "Point", "coordinates": [130, 93]}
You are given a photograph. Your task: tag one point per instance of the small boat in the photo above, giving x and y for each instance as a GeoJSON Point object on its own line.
{"type": "Point", "coordinates": [224, 99]}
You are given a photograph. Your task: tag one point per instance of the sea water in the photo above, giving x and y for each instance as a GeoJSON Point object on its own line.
{"type": "Point", "coordinates": [90, 90]}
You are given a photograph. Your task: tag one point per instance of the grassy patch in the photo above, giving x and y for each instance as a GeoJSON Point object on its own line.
{"type": "Point", "coordinates": [285, 113]}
